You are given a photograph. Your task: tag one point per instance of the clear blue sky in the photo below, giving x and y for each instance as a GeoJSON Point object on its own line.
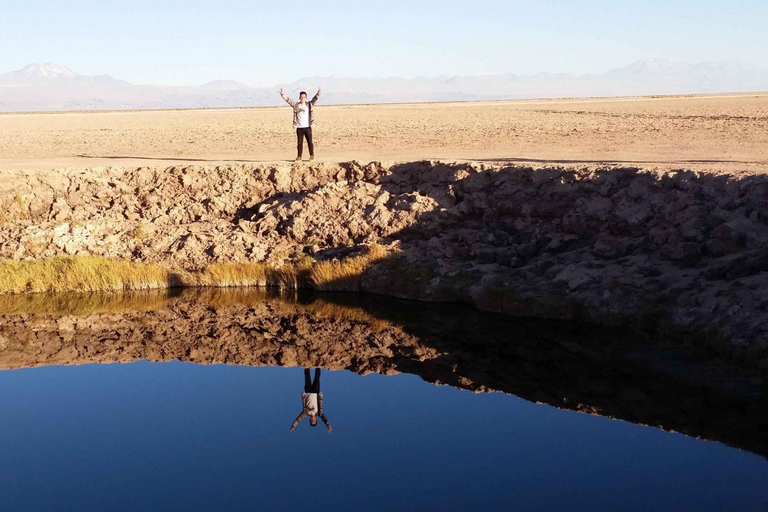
{"type": "Point", "coordinates": [264, 43]}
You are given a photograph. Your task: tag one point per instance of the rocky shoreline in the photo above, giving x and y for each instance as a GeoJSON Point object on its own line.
{"type": "Point", "coordinates": [658, 251]}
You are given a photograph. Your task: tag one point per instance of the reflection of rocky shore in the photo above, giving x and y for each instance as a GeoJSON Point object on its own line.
{"type": "Point", "coordinates": [586, 371]}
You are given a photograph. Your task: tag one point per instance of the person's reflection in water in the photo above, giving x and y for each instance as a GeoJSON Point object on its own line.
{"type": "Point", "coordinates": [312, 402]}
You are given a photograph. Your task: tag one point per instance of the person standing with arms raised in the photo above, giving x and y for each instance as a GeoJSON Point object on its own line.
{"type": "Point", "coordinates": [302, 121]}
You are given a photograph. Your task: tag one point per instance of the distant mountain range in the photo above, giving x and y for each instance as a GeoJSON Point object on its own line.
{"type": "Point", "coordinates": [54, 87]}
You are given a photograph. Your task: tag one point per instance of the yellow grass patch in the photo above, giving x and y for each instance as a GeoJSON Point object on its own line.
{"type": "Point", "coordinates": [230, 275]}
{"type": "Point", "coordinates": [344, 275]}
{"type": "Point", "coordinates": [93, 273]}
{"type": "Point", "coordinates": [81, 274]}
{"type": "Point", "coordinates": [249, 274]}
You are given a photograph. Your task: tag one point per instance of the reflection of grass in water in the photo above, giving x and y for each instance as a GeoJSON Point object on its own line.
{"type": "Point", "coordinates": [81, 274]}
{"type": "Point", "coordinates": [81, 304]}
{"type": "Point", "coordinates": [220, 298]}
{"type": "Point", "coordinates": [324, 309]}
{"type": "Point", "coordinates": [318, 307]}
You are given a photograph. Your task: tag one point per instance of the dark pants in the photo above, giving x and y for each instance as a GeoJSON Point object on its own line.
{"type": "Point", "coordinates": [300, 134]}
{"type": "Point", "coordinates": [309, 386]}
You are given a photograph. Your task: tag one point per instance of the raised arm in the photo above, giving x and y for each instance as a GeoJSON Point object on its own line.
{"type": "Point", "coordinates": [327, 423]}
{"type": "Point", "coordinates": [298, 420]}
{"type": "Point", "coordinates": [322, 414]}
{"type": "Point", "coordinates": [287, 99]}
{"type": "Point", "coordinates": [316, 97]}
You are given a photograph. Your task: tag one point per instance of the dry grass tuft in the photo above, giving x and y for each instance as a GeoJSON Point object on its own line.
{"type": "Point", "coordinates": [377, 252]}
{"type": "Point", "coordinates": [344, 275]}
{"type": "Point", "coordinates": [288, 277]}
{"type": "Point", "coordinates": [139, 233]}
{"type": "Point", "coordinates": [80, 274]}
{"type": "Point", "coordinates": [13, 208]}
{"type": "Point", "coordinates": [92, 273]}
{"type": "Point", "coordinates": [227, 275]}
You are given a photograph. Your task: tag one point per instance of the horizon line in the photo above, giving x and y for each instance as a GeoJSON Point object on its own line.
{"type": "Point", "coordinates": [561, 99]}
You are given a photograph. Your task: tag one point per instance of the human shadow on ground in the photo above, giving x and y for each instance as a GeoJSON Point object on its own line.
{"type": "Point", "coordinates": [605, 161]}
{"type": "Point", "coordinates": [170, 159]}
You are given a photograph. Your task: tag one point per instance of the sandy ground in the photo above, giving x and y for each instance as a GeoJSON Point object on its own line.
{"type": "Point", "coordinates": [719, 133]}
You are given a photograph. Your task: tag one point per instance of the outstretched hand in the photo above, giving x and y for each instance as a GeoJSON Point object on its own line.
{"type": "Point", "coordinates": [330, 430]}
{"type": "Point", "coordinates": [293, 428]}
{"type": "Point", "coordinates": [319, 90]}
{"type": "Point", "coordinates": [282, 92]}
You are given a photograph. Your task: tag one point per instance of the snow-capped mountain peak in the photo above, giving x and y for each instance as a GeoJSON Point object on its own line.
{"type": "Point", "coordinates": [46, 70]}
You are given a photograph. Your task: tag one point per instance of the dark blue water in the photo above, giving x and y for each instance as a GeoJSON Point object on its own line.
{"type": "Point", "coordinates": [177, 436]}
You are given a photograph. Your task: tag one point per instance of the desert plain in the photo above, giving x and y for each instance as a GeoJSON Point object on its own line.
{"type": "Point", "coordinates": [715, 132]}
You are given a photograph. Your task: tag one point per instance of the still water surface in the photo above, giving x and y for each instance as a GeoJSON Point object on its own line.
{"type": "Point", "coordinates": [183, 436]}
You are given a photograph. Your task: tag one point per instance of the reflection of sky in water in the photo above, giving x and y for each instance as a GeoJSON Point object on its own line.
{"type": "Point", "coordinates": [177, 436]}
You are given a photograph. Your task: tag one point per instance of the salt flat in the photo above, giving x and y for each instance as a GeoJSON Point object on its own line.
{"type": "Point", "coordinates": [717, 133]}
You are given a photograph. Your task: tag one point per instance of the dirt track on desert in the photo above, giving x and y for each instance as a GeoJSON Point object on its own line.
{"type": "Point", "coordinates": [718, 133]}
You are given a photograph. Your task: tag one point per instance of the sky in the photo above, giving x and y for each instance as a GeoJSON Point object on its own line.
{"type": "Point", "coordinates": [264, 43]}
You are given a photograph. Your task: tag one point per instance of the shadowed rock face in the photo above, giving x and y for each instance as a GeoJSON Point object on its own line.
{"type": "Point", "coordinates": [646, 248]}
{"type": "Point", "coordinates": [600, 372]}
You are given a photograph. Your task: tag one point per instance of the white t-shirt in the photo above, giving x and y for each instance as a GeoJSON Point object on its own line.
{"type": "Point", "coordinates": [302, 115]}
{"type": "Point", "coordinates": [310, 402]}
